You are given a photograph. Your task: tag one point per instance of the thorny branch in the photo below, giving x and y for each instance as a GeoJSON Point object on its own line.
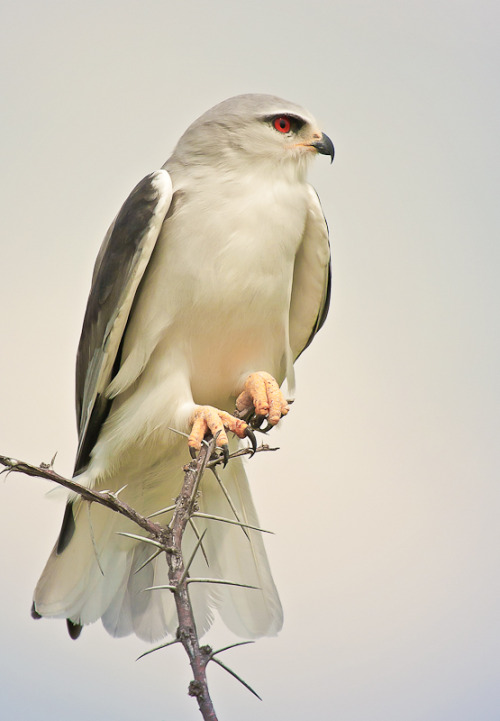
{"type": "Point", "coordinates": [168, 540]}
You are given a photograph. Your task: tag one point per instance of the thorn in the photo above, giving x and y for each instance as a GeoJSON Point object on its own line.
{"type": "Point", "coordinates": [199, 514]}
{"type": "Point", "coordinates": [157, 648]}
{"type": "Point", "coordinates": [144, 539]}
{"type": "Point", "coordinates": [219, 581]}
{"type": "Point", "coordinates": [188, 564]}
{"type": "Point", "coordinates": [166, 587]}
{"type": "Point", "coordinates": [232, 645]}
{"type": "Point", "coordinates": [179, 433]}
{"type": "Point", "coordinates": [197, 534]}
{"type": "Point", "coordinates": [235, 675]}
{"type": "Point", "coordinates": [151, 558]}
{"type": "Point", "coordinates": [228, 499]}
{"type": "Point", "coordinates": [117, 493]}
{"type": "Point", "coordinates": [161, 512]}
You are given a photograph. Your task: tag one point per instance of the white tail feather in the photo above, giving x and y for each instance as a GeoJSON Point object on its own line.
{"type": "Point", "coordinates": [99, 574]}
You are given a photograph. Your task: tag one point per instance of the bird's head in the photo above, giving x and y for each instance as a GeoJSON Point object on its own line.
{"type": "Point", "coordinates": [254, 130]}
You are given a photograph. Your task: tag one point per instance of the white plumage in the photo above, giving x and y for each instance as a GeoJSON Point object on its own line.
{"type": "Point", "coordinates": [216, 267]}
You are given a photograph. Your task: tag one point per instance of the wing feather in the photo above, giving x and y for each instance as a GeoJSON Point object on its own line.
{"type": "Point", "coordinates": [119, 268]}
{"type": "Point", "coordinates": [311, 287]}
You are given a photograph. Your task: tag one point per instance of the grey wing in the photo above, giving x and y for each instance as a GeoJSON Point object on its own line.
{"type": "Point", "coordinates": [119, 268]}
{"type": "Point", "coordinates": [312, 279]}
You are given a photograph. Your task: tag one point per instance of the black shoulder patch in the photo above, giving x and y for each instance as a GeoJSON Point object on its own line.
{"type": "Point", "coordinates": [116, 268]}
{"type": "Point", "coordinates": [98, 415]}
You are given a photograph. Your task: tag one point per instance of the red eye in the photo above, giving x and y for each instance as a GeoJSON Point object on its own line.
{"type": "Point", "coordinates": [282, 124]}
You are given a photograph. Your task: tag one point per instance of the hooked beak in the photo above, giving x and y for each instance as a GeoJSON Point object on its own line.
{"type": "Point", "coordinates": [324, 146]}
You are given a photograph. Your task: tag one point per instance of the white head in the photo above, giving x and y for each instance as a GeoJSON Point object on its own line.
{"type": "Point", "coordinates": [252, 130]}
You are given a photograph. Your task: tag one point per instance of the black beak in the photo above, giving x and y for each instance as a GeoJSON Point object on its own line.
{"type": "Point", "coordinates": [325, 146]}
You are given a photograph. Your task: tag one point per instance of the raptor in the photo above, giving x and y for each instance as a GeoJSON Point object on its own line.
{"type": "Point", "coordinates": [211, 281]}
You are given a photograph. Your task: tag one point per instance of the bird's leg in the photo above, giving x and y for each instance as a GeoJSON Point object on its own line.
{"type": "Point", "coordinates": [262, 395]}
{"type": "Point", "coordinates": [207, 419]}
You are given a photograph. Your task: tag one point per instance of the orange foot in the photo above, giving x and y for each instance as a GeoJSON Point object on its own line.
{"type": "Point", "coordinates": [209, 420]}
{"type": "Point", "coordinates": [262, 395]}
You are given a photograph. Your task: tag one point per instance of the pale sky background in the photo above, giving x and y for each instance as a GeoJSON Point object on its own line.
{"type": "Point", "coordinates": [385, 495]}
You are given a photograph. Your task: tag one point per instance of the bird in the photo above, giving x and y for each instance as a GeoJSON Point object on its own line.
{"type": "Point", "coordinates": [212, 279]}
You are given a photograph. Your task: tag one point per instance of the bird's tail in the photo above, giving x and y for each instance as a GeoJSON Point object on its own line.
{"type": "Point", "coordinates": [93, 572]}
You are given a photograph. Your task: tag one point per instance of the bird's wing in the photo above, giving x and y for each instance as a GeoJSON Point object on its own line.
{"type": "Point", "coordinates": [119, 268]}
{"type": "Point", "coordinates": [312, 278]}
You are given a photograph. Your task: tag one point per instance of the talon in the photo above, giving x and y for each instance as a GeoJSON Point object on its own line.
{"type": "Point", "coordinates": [251, 435]}
{"type": "Point", "coordinates": [207, 420]}
{"type": "Point", "coordinates": [262, 392]}
{"type": "Point", "coordinates": [257, 421]}
{"type": "Point", "coordinates": [225, 454]}
{"type": "Point", "coordinates": [193, 452]}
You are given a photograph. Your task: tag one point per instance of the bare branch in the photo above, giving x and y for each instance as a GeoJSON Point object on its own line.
{"type": "Point", "coordinates": [168, 540]}
{"type": "Point", "coordinates": [105, 498]}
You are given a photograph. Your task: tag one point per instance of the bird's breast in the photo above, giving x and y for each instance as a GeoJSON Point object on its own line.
{"type": "Point", "coordinates": [218, 289]}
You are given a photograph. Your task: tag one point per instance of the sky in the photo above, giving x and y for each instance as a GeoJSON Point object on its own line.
{"type": "Point", "coordinates": [384, 497]}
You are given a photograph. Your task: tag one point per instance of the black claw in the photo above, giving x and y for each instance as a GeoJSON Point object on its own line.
{"type": "Point", "coordinates": [225, 454]}
{"type": "Point", "coordinates": [193, 452]}
{"type": "Point", "coordinates": [257, 421]}
{"type": "Point", "coordinates": [267, 428]}
{"type": "Point", "coordinates": [251, 435]}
